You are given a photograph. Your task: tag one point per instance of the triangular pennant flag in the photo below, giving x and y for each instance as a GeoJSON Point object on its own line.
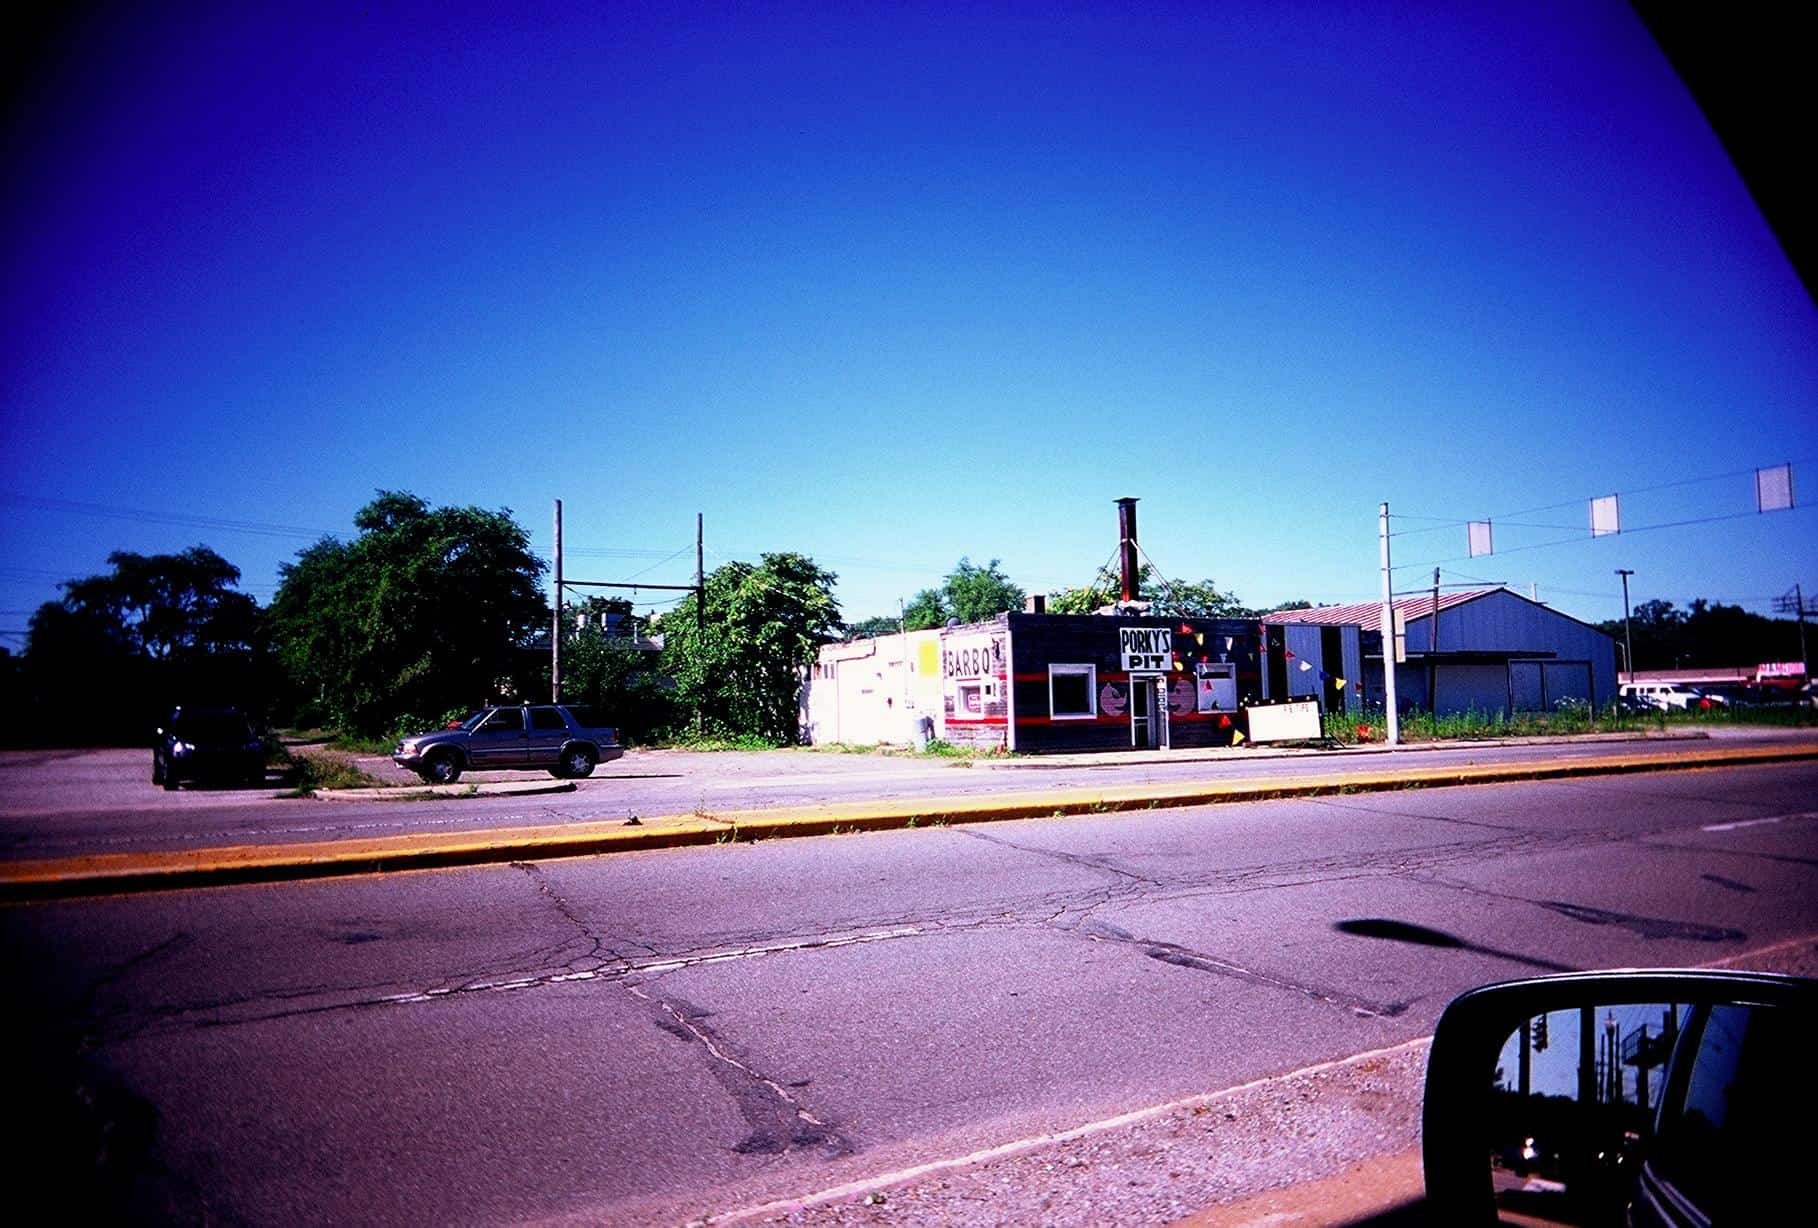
{"type": "Point", "coordinates": [1186, 629]}
{"type": "Point", "coordinates": [1305, 666]}
{"type": "Point", "coordinates": [1200, 638]}
{"type": "Point", "coordinates": [1237, 737]}
{"type": "Point", "coordinates": [1286, 655]}
{"type": "Point", "coordinates": [1176, 664]}
{"type": "Point", "coordinates": [1230, 643]}
{"type": "Point", "coordinates": [1224, 722]}
{"type": "Point", "coordinates": [1340, 682]}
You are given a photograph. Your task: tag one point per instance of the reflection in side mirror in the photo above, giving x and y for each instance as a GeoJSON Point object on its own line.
{"type": "Point", "coordinates": [1572, 1108]}
{"type": "Point", "coordinates": [1627, 1098]}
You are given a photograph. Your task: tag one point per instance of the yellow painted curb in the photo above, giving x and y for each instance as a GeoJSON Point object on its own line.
{"type": "Point", "coordinates": [113, 873]}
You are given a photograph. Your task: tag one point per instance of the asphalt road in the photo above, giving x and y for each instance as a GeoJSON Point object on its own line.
{"type": "Point", "coordinates": [654, 1036]}
{"type": "Point", "coordinates": [61, 803]}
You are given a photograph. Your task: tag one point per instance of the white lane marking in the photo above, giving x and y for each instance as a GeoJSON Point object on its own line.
{"type": "Point", "coordinates": [1739, 824]}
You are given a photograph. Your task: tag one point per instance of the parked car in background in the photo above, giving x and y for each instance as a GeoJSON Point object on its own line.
{"type": "Point", "coordinates": [207, 744]}
{"type": "Point", "coordinates": [544, 736]}
{"type": "Point", "coordinates": [1667, 695]}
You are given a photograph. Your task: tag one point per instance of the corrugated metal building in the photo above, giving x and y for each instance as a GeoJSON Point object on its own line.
{"type": "Point", "coordinates": [1496, 651]}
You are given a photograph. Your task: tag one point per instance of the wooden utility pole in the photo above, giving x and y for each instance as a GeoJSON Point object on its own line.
{"type": "Point", "coordinates": [555, 626]}
{"type": "Point", "coordinates": [700, 617]}
{"type": "Point", "coordinates": [1433, 656]}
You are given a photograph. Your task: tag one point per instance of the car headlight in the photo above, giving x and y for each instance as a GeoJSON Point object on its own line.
{"type": "Point", "coordinates": [180, 749]}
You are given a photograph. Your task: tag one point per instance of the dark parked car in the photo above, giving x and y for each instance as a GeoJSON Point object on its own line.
{"type": "Point", "coordinates": [207, 744]}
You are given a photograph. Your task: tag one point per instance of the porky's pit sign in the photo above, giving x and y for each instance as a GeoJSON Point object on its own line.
{"type": "Point", "coordinates": [1145, 649]}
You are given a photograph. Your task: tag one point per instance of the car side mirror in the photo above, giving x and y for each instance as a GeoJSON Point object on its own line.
{"type": "Point", "coordinates": [1624, 1098]}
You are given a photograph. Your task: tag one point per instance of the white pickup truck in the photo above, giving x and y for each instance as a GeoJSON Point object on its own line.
{"type": "Point", "coordinates": [511, 736]}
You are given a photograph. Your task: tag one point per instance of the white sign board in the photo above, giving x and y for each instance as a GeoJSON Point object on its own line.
{"type": "Point", "coordinates": [1606, 516]}
{"type": "Point", "coordinates": [1774, 488]}
{"type": "Point", "coordinates": [1292, 722]}
{"type": "Point", "coordinates": [1145, 649]}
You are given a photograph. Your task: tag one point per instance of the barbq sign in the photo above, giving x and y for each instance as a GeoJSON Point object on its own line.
{"type": "Point", "coordinates": [1145, 649]}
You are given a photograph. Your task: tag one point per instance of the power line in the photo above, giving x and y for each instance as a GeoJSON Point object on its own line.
{"type": "Point", "coordinates": [1580, 537]}
{"type": "Point", "coordinates": [147, 516]}
{"type": "Point", "coordinates": [1511, 518]}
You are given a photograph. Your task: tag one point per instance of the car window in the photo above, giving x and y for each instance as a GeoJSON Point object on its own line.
{"type": "Point", "coordinates": [505, 720]}
{"type": "Point", "coordinates": [1724, 1138]}
{"type": "Point", "coordinates": [546, 718]}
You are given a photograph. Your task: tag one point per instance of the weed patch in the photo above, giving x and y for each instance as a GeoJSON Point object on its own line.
{"type": "Point", "coordinates": [717, 742]}
{"type": "Point", "coordinates": [307, 771]}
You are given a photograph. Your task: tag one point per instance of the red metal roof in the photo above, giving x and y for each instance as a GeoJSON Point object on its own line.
{"type": "Point", "coordinates": [1368, 614]}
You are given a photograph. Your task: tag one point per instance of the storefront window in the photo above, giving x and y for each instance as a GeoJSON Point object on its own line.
{"type": "Point", "coordinates": [971, 699]}
{"type": "Point", "coordinates": [1072, 691]}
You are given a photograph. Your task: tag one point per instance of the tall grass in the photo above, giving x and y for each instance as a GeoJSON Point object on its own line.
{"type": "Point", "coordinates": [1569, 717]}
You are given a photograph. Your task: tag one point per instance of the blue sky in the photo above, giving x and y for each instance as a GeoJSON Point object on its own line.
{"type": "Point", "coordinates": [890, 284]}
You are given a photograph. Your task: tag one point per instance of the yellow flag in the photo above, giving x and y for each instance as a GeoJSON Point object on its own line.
{"type": "Point", "coordinates": [1237, 737]}
{"type": "Point", "coordinates": [1200, 637]}
{"type": "Point", "coordinates": [1340, 682]}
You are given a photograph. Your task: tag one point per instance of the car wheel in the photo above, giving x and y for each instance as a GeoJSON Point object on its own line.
{"type": "Point", "coordinates": [577, 762]}
{"type": "Point", "coordinates": [443, 768]}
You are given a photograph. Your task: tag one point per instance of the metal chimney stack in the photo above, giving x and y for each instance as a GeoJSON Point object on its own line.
{"type": "Point", "coordinates": [1126, 546]}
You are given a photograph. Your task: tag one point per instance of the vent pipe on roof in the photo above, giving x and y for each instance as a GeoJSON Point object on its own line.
{"type": "Point", "coordinates": [1126, 547]}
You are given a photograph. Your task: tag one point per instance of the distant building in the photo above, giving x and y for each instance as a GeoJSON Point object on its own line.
{"type": "Point", "coordinates": [1496, 651]}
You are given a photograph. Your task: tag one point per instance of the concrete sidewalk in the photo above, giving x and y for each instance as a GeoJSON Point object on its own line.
{"type": "Point", "coordinates": [115, 873]}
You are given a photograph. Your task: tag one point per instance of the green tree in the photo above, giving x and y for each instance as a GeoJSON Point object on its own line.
{"type": "Point", "coordinates": [973, 593]}
{"type": "Point", "coordinates": [1204, 599]}
{"type": "Point", "coordinates": [871, 628]}
{"type": "Point", "coordinates": [1705, 635]}
{"type": "Point", "coordinates": [1167, 598]}
{"type": "Point", "coordinates": [742, 668]}
{"type": "Point", "coordinates": [609, 667]}
{"type": "Point", "coordinates": [154, 631]}
{"type": "Point", "coordinates": [927, 608]}
{"type": "Point", "coordinates": [426, 610]}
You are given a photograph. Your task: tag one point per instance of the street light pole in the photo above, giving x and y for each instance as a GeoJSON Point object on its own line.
{"type": "Point", "coordinates": [1628, 642]}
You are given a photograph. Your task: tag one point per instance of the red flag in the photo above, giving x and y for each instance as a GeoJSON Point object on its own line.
{"type": "Point", "coordinates": [1224, 722]}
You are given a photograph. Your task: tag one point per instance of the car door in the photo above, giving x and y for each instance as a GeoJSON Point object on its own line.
{"type": "Point", "coordinates": [547, 733]}
{"type": "Point", "coordinates": [498, 741]}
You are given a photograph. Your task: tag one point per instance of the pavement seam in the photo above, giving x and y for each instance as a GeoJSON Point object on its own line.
{"type": "Point", "coordinates": [121, 873]}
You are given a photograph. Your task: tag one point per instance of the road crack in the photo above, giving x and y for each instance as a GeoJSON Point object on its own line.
{"type": "Point", "coordinates": [777, 1122]}
{"type": "Point", "coordinates": [1185, 957]}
